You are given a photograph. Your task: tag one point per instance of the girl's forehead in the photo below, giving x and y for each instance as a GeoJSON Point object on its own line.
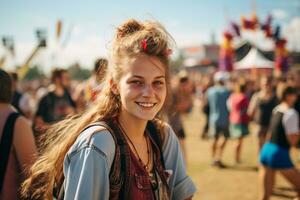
{"type": "Point", "coordinates": [145, 66]}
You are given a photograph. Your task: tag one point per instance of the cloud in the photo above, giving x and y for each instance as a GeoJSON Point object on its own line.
{"type": "Point", "coordinates": [76, 30]}
{"type": "Point", "coordinates": [279, 14]}
{"type": "Point", "coordinates": [22, 52]}
{"type": "Point", "coordinates": [184, 39]}
{"type": "Point", "coordinates": [292, 33]}
{"type": "Point", "coordinates": [84, 52]}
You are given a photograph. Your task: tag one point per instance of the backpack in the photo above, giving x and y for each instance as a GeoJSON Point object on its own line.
{"type": "Point", "coordinates": [120, 156]}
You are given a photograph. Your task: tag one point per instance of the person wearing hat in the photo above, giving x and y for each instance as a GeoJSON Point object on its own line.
{"type": "Point", "coordinates": [219, 116]}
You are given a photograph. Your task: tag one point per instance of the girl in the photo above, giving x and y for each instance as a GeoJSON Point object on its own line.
{"type": "Point", "coordinates": [283, 134]}
{"type": "Point", "coordinates": [237, 104]}
{"type": "Point", "coordinates": [122, 158]}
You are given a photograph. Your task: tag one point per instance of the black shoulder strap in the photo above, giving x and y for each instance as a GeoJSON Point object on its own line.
{"type": "Point", "coordinates": [5, 145]}
{"type": "Point", "coordinates": [155, 134]}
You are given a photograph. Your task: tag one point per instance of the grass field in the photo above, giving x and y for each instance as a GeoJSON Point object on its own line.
{"type": "Point", "coordinates": [237, 182]}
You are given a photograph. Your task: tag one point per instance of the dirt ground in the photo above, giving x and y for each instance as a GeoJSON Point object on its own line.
{"type": "Point", "coordinates": [236, 182]}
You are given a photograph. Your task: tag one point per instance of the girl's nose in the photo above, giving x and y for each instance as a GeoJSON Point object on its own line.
{"type": "Point", "coordinates": [148, 90]}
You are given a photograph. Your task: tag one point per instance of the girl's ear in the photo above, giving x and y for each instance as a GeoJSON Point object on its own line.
{"type": "Point", "coordinates": [114, 87]}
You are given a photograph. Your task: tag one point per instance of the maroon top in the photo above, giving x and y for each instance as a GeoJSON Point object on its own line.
{"type": "Point", "coordinates": [140, 185]}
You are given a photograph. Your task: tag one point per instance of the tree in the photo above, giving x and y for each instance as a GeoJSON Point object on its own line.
{"type": "Point", "coordinates": [77, 73]}
{"type": "Point", "coordinates": [34, 73]}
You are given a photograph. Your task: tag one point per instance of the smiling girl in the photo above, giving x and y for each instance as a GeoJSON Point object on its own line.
{"type": "Point", "coordinates": [118, 149]}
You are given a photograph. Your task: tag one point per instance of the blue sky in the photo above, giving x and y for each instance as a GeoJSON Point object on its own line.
{"type": "Point", "coordinates": [91, 23]}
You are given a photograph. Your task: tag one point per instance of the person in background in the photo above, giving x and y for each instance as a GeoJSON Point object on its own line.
{"type": "Point", "coordinates": [22, 151]}
{"type": "Point", "coordinates": [295, 82]}
{"type": "Point", "coordinates": [217, 97]}
{"type": "Point", "coordinates": [208, 82]}
{"type": "Point", "coordinates": [237, 105]}
{"type": "Point", "coordinates": [282, 135]}
{"type": "Point", "coordinates": [17, 95]}
{"type": "Point", "coordinates": [182, 103]}
{"type": "Point", "coordinates": [89, 90]}
{"type": "Point", "coordinates": [260, 108]}
{"type": "Point", "coordinates": [56, 104]}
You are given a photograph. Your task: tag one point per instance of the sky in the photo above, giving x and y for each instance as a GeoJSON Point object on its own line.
{"type": "Point", "coordinates": [88, 26]}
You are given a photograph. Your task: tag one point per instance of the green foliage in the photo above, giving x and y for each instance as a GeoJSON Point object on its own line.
{"type": "Point", "coordinates": [78, 73]}
{"type": "Point", "coordinates": [34, 73]}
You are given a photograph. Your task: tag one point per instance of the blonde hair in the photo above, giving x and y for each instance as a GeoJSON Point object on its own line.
{"type": "Point", "coordinates": [130, 40]}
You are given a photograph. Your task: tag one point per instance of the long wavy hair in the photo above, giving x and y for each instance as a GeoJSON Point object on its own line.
{"type": "Point", "coordinates": [132, 38]}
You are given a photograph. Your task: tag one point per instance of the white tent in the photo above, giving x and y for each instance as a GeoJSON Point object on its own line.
{"type": "Point", "coordinates": [254, 59]}
{"type": "Point", "coordinates": [190, 62]}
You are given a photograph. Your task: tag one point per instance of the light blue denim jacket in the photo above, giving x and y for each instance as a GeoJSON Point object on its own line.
{"type": "Point", "coordinates": [87, 166]}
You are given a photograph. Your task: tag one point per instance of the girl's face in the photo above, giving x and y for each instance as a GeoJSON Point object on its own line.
{"type": "Point", "coordinates": [142, 88]}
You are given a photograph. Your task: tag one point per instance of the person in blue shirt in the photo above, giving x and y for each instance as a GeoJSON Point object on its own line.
{"type": "Point", "coordinates": [218, 117]}
{"type": "Point", "coordinates": [123, 160]}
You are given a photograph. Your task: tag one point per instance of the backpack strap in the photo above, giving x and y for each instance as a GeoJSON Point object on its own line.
{"type": "Point", "coordinates": [155, 135]}
{"type": "Point", "coordinates": [6, 143]}
{"type": "Point", "coordinates": [119, 174]}
{"type": "Point", "coordinates": [158, 138]}
{"type": "Point", "coordinates": [123, 157]}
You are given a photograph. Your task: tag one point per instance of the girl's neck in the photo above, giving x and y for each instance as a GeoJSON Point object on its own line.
{"type": "Point", "coordinates": [59, 91]}
{"type": "Point", "coordinates": [133, 126]}
{"type": "Point", "coordinates": [286, 104]}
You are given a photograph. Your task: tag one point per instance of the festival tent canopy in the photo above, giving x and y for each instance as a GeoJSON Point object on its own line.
{"type": "Point", "coordinates": [190, 62]}
{"type": "Point", "coordinates": [254, 59]}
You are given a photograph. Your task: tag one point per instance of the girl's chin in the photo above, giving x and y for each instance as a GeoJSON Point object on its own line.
{"type": "Point", "coordinates": [146, 118]}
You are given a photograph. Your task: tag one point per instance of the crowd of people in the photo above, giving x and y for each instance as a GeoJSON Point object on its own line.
{"type": "Point", "coordinates": [107, 137]}
{"type": "Point", "coordinates": [273, 107]}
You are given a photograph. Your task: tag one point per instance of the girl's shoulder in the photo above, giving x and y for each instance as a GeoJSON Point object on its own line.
{"type": "Point", "coordinates": [97, 138]}
{"type": "Point", "coordinates": [168, 134]}
{"type": "Point", "coordinates": [163, 128]}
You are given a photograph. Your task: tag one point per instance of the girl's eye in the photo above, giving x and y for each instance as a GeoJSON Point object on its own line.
{"type": "Point", "coordinates": [158, 83]}
{"type": "Point", "coordinates": [136, 82]}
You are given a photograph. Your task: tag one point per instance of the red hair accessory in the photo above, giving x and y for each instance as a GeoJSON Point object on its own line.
{"type": "Point", "coordinates": [144, 44]}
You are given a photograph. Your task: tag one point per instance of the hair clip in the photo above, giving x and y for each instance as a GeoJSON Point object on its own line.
{"type": "Point", "coordinates": [144, 44]}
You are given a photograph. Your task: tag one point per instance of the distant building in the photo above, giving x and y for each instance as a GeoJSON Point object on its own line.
{"type": "Point", "coordinates": [205, 57]}
{"type": "Point", "coordinates": [201, 57]}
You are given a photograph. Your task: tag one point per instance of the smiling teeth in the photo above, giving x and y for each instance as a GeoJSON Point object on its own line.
{"type": "Point", "coordinates": [148, 105]}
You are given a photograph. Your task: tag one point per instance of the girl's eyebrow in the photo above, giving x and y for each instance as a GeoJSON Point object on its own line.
{"type": "Point", "coordinates": [158, 77]}
{"type": "Point", "coordinates": [141, 77]}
